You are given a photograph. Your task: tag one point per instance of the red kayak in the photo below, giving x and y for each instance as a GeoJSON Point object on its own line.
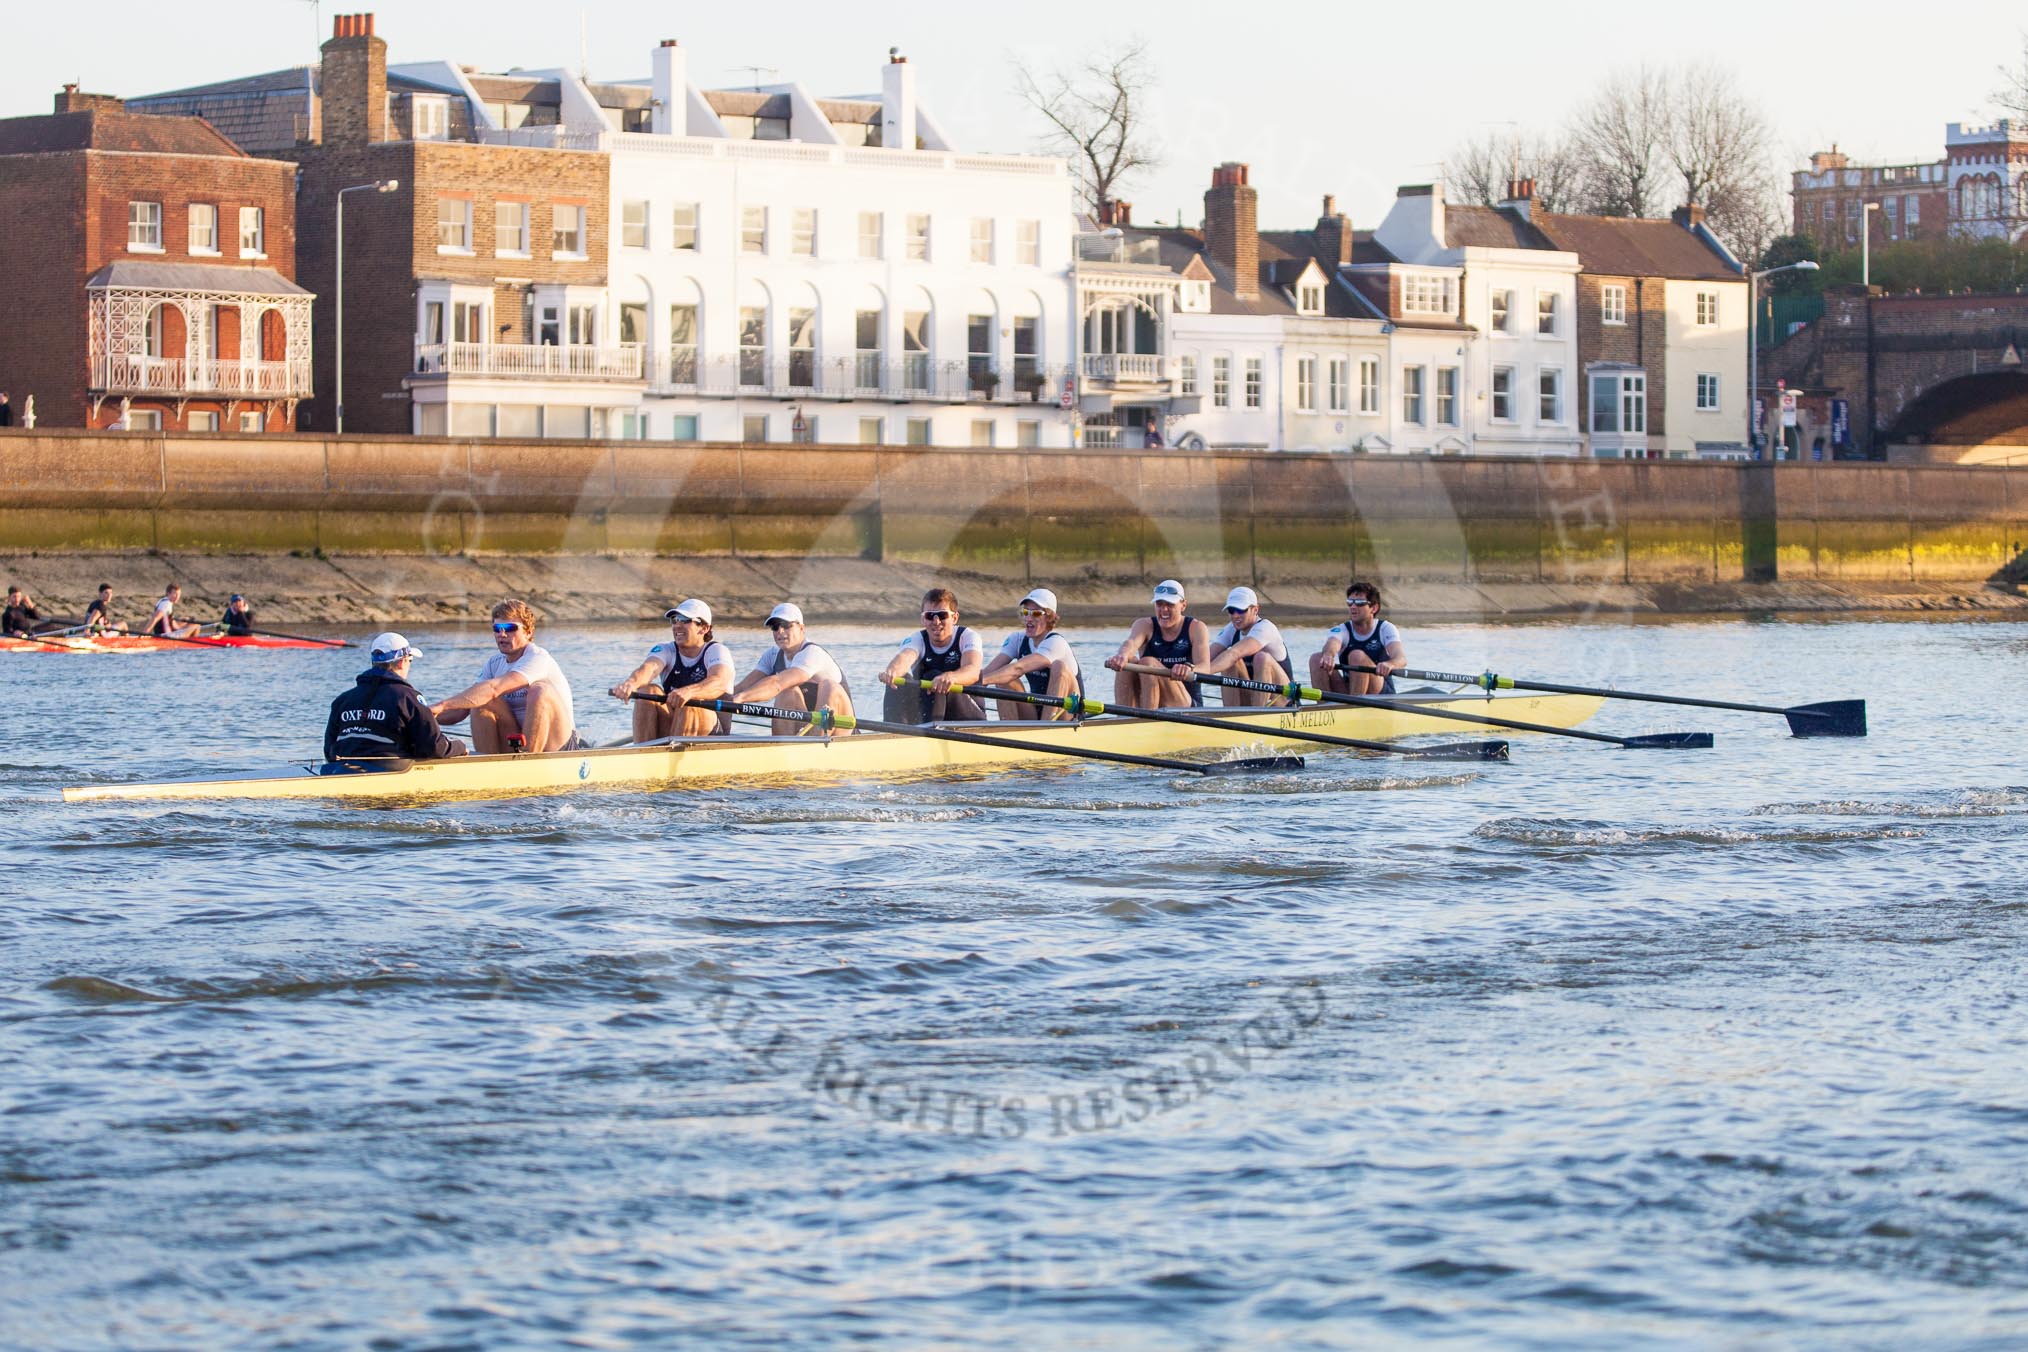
{"type": "Point", "coordinates": [141, 643]}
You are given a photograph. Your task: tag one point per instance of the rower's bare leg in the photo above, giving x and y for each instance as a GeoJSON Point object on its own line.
{"type": "Point", "coordinates": [791, 699]}
{"type": "Point", "coordinates": [1061, 686]}
{"type": "Point", "coordinates": [546, 719]}
{"type": "Point", "coordinates": [689, 721]}
{"type": "Point", "coordinates": [1129, 688]}
{"type": "Point", "coordinates": [492, 725]}
{"type": "Point", "coordinates": [954, 706]}
{"type": "Point", "coordinates": [1360, 677]}
{"type": "Point", "coordinates": [1009, 710]}
{"type": "Point", "coordinates": [1161, 693]}
{"type": "Point", "coordinates": [1270, 672]}
{"type": "Point", "coordinates": [651, 720]}
{"type": "Point", "coordinates": [834, 698]}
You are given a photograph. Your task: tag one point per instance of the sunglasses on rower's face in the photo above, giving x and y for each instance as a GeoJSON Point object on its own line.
{"type": "Point", "coordinates": [1031, 614]}
{"type": "Point", "coordinates": [1235, 610]}
{"type": "Point", "coordinates": [936, 614]}
{"type": "Point", "coordinates": [505, 627]}
{"type": "Point", "coordinates": [776, 626]}
{"type": "Point", "coordinates": [1357, 601]}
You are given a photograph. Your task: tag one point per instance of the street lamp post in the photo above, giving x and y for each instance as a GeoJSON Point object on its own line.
{"type": "Point", "coordinates": [1866, 243]}
{"type": "Point", "coordinates": [1753, 339]}
{"type": "Point", "coordinates": [384, 185]}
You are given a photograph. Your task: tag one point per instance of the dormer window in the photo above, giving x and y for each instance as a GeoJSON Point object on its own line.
{"type": "Point", "coordinates": [1428, 293]}
{"type": "Point", "coordinates": [1310, 299]}
{"type": "Point", "coordinates": [1196, 298]}
{"type": "Point", "coordinates": [429, 117]}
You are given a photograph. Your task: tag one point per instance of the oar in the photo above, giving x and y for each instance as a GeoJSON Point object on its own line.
{"type": "Point", "coordinates": [1832, 718]}
{"type": "Point", "coordinates": [1666, 741]}
{"type": "Point", "coordinates": [825, 721]}
{"type": "Point", "coordinates": [1078, 705]}
{"type": "Point", "coordinates": [304, 638]}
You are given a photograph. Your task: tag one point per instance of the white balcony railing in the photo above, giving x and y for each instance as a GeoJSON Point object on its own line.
{"type": "Point", "coordinates": [864, 375]}
{"type": "Point", "coordinates": [134, 373]}
{"type": "Point", "coordinates": [1126, 368]}
{"type": "Point", "coordinates": [544, 361]}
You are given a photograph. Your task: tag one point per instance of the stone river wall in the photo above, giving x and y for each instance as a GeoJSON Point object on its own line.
{"type": "Point", "coordinates": [369, 528]}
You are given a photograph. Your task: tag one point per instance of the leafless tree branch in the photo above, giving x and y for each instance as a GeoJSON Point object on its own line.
{"type": "Point", "coordinates": [1092, 114]}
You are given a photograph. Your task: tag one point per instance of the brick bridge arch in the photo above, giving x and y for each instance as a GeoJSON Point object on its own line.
{"type": "Point", "coordinates": [1911, 364]}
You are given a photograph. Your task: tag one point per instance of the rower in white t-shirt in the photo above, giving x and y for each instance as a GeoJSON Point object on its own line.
{"type": "Point", "coordinates": [521, 702]}
{"type": "Point", "coordinates": [1037, 656]}
{"type": "Point", "coordinates": [692, 665]}
{"type": "Point", "coordinates": [795, 674]}
{"type": "Point", "coordinates": [1249, 648]}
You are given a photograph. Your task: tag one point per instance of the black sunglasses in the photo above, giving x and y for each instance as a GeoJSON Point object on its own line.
{"type": "Point", "coordinates": [936, 614]}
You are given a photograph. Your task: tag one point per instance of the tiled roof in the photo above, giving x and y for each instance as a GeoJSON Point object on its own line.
{"type": "Point", "coordinates": [1283, 256]}
{"type": "Point", "coordinates": [1621, 247]}
{"type": "Point", "coordinates": [259, 113]}
{"type": "Point", "coordinates": [101, 130]}
{"type": "Point", "coordinates": [1469, 227]}
{"type": "Point", "coordinates": [220, 277]}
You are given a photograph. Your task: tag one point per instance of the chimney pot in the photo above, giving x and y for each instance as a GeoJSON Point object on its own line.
{"type": "Point", "coordinates": [671, 42]}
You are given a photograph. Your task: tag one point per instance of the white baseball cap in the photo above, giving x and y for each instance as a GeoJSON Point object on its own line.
{"type": "Point", "coordinates": [1169, 589]}
{"type": "Point", "coordinates": [389, 648]}
{"type": "Point", "coordinates": [787, 611]}
{"type": "Point", "coordinates": [1042, 597]}
{"type": "Point", "coordinates": [693, 609]}
{"type": "Point", "coordinates": [1240, 598]}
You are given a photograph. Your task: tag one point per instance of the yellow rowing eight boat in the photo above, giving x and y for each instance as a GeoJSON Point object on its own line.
{"type": "Point", "coordinates": [719, 759]}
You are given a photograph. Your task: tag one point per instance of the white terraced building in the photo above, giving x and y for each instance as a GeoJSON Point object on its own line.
{"type": "Point", "coordinates": [796, 268]}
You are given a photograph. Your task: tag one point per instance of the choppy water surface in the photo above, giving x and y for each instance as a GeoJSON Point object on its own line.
{"type": "Point", "coordinates": [1595, 1047]}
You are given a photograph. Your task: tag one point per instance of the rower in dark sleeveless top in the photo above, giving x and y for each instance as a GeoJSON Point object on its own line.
{"type": "Point", "coordinates": [1178, 641]}
{"type": "Point", "coordinates": [1360, 656]}
{"type": "Point", "coordinates": [693, 662]}
{"type": "Point", "coordinates": [944, 653]}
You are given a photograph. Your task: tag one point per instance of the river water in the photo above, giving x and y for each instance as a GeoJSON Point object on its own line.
{"type": "Point", "coordinates": [1593, 1048]}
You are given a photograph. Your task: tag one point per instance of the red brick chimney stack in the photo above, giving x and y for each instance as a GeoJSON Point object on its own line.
{"type": "Point", "coordinates": [1334, 232]}
{"type": "Point", "coordinates": [1688, 216]}
{"type": "Point", "coordinates": [1116, 213]}
{"type": "Point", "coordinates": [71, 101]}
{"type": "Point", "coordinates": [355, 83]}
{"type": "Point", "coordinates": [1232, 227]}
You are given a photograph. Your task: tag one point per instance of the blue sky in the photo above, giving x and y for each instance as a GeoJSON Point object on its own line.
{"type": "Point", "coordinates": [1342, 98]}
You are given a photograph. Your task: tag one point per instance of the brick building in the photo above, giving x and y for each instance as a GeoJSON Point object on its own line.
{"type": "Point", "coordinates": [1661, 333]}
{"type": "Point", "coordinates": [473, 291]}
{"type": "Point", "coordinates": [1911, 201]}
{"type": "Point", "coordinates": [150, 265]}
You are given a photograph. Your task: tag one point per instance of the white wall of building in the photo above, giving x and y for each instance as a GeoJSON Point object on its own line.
{"type": "Point", "coordinates": [1709, 349]}
{"type": "Point", "coordinates": [1021, 209]}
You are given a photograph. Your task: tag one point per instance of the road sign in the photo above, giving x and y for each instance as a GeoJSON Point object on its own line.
{"type": "Point", "coordinates": [1788, 408]}
{"type": "Point", "coordinates": [1069, 399]}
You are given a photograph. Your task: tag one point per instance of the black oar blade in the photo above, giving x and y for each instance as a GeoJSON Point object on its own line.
{"type": "Point", "coordinates": [1255, 765]}
{"type": "Point", "coordinates": [1669, 741]}
{"type": "Point", "coordinates": [1832, 718]}
{"type": "Point", "coordinates": [1458, 751]}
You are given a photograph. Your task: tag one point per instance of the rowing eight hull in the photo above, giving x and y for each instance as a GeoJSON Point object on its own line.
{"type": "Point", "coordinates": [740, 758]}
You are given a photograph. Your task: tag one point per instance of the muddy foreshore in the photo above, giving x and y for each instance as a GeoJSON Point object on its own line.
{"type": "Point", "coordinates": [365, 590]}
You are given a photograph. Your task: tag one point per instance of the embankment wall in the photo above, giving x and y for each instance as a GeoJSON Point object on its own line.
{"type": "Point", "coordinates": [392, 513]}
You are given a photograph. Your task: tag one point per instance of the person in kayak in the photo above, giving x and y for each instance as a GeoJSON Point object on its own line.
{"type": "Point", "coordinates": [382, 717]}
{"type": "Point", "coordinates": [238, 620]}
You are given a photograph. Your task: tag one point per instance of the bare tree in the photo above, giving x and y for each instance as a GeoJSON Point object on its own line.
{"type": "Point", "coordinates": [1481, 170]}
{"type": "Point", "coordinates": [2012, 95]}
{"type": "Point", "coordinates": [1621, 138]}
{"type": "Point", "coordinates": [1093, 112]}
